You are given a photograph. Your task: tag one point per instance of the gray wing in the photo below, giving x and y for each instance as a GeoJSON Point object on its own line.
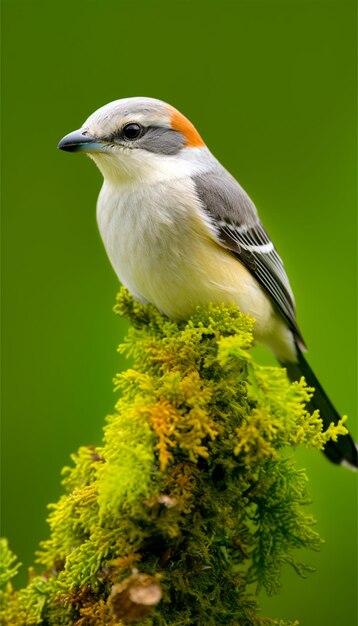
{"type": "Point", "coordinates": [239, 229]}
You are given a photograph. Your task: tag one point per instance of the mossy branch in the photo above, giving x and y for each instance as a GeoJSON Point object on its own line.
{"type": "Point", "coordinates": [193, 502]}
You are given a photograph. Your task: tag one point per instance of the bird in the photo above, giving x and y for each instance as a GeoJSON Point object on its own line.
{"type": "Point", "coordinates": [180, 231]}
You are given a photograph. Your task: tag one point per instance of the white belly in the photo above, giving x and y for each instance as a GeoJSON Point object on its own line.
{"type": "Point", "coordinates": [163, 253]}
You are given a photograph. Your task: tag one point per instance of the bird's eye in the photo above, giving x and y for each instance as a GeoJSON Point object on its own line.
{"type": "Point", "coordinates": [132, 131]}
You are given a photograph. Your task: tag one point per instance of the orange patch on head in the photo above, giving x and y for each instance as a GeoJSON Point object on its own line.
{"type": "Point", "coordinates": [180, 123]}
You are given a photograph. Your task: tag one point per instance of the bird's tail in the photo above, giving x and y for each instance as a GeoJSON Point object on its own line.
{"type": "Point", "coordinates": [344, 450]}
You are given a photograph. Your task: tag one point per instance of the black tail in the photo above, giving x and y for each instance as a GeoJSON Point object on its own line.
{"type": "Point", "coordinates": [344, 450]}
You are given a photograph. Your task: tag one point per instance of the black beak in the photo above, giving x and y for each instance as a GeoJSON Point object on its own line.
{"type": "Point", "coordinates": [80, 141]}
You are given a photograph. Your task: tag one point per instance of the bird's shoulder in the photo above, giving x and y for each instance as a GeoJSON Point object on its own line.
{"type": "Point", "coordinates": [239, 229]}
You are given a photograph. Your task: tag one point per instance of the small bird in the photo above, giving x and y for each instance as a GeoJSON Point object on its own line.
{"type": "Point", "coordinates": [180, 231]}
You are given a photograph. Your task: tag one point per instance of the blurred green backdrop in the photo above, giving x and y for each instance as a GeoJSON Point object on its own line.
{"type": "Point", "coordinates": [272, 88]}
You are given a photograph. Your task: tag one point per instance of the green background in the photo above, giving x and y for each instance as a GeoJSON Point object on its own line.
{"type": "Point", "coordinates": [271, 87]}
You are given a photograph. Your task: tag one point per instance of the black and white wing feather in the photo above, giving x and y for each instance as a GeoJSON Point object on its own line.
{"type": "Point", "coordinates": [239, 229]}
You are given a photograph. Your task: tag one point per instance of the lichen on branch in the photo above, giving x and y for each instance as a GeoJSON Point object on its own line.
{"type": "Point", "coordinates": [193, 501]}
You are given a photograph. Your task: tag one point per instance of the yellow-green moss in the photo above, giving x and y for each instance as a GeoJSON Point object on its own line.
{"type": "Point", "coordinates": [190, 488]}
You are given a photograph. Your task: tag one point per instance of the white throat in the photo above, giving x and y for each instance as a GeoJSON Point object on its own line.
{"type": "Point", "coordinates": [136, 166]}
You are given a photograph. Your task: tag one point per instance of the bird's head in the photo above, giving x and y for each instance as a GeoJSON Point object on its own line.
{"type": "Point", "coordinates": [138, 139]}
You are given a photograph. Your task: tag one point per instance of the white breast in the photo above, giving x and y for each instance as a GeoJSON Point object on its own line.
{"type": "Point", "coordinates": [147, 231]}
{"type": "Point", "coordinates": [165, 253]}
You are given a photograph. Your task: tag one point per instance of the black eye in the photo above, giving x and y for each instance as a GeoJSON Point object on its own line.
{"type": "Point", "coordinates": [132, 131]}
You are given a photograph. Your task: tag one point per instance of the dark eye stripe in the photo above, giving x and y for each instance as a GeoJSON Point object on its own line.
{"type": "Point", "coordinates": [157, 139]}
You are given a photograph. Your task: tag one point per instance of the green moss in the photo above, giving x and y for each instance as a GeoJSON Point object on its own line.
{"type": "Point", "coordinates": [193, 502]}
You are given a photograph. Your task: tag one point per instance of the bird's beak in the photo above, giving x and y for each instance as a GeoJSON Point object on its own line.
{"type": "Point", "coordinates": [81, 141]}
